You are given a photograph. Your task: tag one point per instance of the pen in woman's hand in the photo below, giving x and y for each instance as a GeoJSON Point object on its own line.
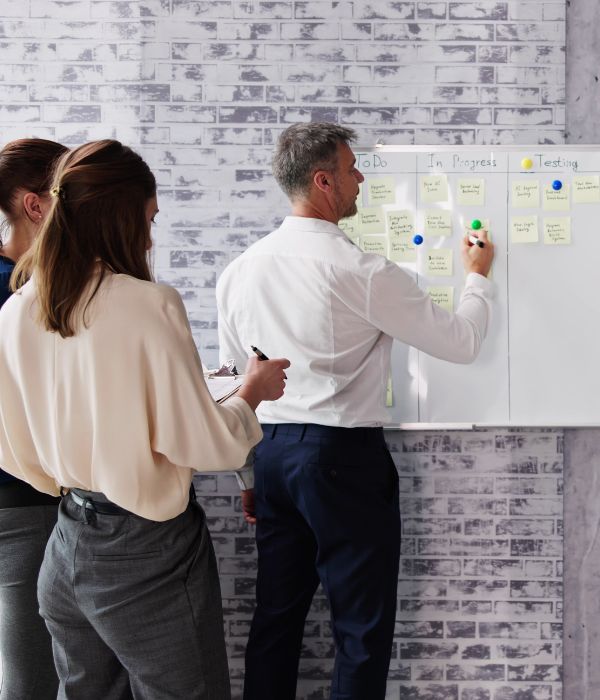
{"type": "Point", "coordinates": [261, 356]}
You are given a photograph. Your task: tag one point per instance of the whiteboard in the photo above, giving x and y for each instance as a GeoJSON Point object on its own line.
{"type": "Point", "coordinates": [540, 363]}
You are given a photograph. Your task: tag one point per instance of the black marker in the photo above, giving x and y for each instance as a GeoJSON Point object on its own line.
{"type": "Point", "coordinates": [475, 241]}
{"type": "Point", "coordinates": [261, 356]}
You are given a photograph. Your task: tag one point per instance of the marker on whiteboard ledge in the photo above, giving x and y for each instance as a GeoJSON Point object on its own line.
{"type": "Point", "coordinates": [475, 241]}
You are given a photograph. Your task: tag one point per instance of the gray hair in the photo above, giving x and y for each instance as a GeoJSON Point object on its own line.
{"type": "Point", "coordinates": [304, 148]}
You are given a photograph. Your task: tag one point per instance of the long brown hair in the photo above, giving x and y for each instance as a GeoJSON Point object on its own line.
{"type": "Point", "coordinates": [25, 164]}
{"type": "Point", "coordinates": [100, 193]}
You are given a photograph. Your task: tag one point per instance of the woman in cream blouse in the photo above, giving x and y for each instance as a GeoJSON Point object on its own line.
{"type": "Point", "coordinates": [103, 396]}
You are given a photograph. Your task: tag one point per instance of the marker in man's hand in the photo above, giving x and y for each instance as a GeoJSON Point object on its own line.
{"type": "Point", "coordinates": [475, 241]}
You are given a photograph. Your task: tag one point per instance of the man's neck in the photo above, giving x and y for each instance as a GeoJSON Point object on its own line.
{"type": "Point", "coordinates": [313, 211]}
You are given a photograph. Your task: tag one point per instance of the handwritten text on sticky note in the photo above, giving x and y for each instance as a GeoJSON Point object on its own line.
{"type": "Point", "coordinates": [382, 190]}
{"type": "Point", "coordinates": [556, 200]}
{"type": "Point", "coordinates": [586, 190]}
{"type": "Point", "coordinates": [557, 230]}
{"type": "Point", "coordinates": [471, 192]}
{"type": "Point", "coordinates": [400, 223]}
{"type": "Point", "coordinates": [434, 188]}
{"type": "Point", "coordinates": [442, 296]}
{"type": "Point", "coordinates": [403, 250]}
{"type": "Point", "coordinates": [525, 193]}
{"type": "Point", "coordinates": [371, 220]}
{"type": "Point", "coordinates": [524, 229]}
{"type": "Point", "coordinates": [439, 261]}
{"type": "Point", "coordinates": [437, 222]}
{"type": "Point", "coordinates": [374, 244]}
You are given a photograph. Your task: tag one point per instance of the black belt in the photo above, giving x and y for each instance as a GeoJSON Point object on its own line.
{"type": "Point", "coordinates": [18, 494]}
{"type": "Point", "coordinates": [85, 499]}
{"type": "Point", "coordinates": [300, 431]}
{"type": "Point", "coordinates": [89, 501]}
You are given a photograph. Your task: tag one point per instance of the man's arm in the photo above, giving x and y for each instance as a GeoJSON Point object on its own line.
{"type": "Point", "coordinates": [400, 308]}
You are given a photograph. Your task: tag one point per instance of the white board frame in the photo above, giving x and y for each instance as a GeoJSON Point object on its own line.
{"type": "Point", "coordinates": [518, 269]}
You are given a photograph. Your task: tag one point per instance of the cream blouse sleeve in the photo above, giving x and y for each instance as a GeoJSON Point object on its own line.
{"type": "Point", "coordinates": [185, 423]}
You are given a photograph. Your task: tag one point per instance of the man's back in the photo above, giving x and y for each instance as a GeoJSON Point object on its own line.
{"type": "Point", "coordinates": [308, 293]}
{"type": "Point", "coordinates": [263, 299]}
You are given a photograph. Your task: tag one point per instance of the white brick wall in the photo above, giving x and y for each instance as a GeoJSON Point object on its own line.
{"type": "Point", "coordinates": [202, 89]}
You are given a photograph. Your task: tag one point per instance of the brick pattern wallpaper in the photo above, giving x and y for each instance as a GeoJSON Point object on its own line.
{"type": "Point", "coordinates": [202, 89]}
{"type": "Point", "coordinates": [480, 589]}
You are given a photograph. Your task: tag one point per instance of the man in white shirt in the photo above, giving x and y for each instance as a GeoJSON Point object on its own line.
{"type": "Point", "coordinates": [325, 498]}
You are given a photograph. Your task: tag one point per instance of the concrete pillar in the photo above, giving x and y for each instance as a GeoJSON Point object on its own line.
{"type": "Point", "coordinates": [582, 447]}
{"type": "Point", "coordinates": [583, 72]}
{"type": "Point", "coordinates": [581, 655]}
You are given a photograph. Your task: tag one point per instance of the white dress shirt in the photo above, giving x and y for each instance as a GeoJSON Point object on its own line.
{"type": "Point", "coordinates": [306, 292]}
{"type": "Point", "coordinates": [121, 407]}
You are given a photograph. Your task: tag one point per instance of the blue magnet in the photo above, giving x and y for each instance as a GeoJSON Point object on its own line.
{"type": "Point", "coordinates": [418, 239]}
{"type": "Point", "coordinates": [557, 185]}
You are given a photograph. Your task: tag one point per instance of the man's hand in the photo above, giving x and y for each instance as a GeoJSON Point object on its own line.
{"type": "Point", "coordinates": [476, 259]}
{"type": "Point", "coordinates": [248, 506]}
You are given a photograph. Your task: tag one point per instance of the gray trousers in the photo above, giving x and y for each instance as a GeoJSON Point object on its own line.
{"type": "Point", "coordinates": [27, 666]}
{"type": "Point", "coordinates": [134, 607]}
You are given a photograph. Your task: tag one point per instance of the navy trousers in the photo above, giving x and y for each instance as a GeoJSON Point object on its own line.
{"type": "Point", "coordinates": [327, 511]}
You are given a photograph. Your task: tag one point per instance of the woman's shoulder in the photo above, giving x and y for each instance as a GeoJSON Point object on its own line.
{"type": "Point", "coordinates": [143, 291]}
{"type": "Point", "coordinates": [141, 299]}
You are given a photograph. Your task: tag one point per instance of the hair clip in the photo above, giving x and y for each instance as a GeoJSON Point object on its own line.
{"type": "Point", "coordinates": [57, 191]}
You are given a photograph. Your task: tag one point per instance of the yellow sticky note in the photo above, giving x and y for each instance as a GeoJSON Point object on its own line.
{"type": "Point", "coordinates": [349, 226]}
{"type": "Point", "coordinates": [434, 188]}
{"type": "Point", "coordinates": [439, 262]}
{"type": "Point", "coordinates": [437, 222]}
{"type": "Point", "coordinates": [400, 223]}
{"type": "Point", "coordinates": [389, 393]}
{"type": "Point", "coordinates": [586, 190]}
{"type": "Point", "coordinates": [442, 296]}
{"type": "Point", "coordinates": [471, 192]}
{"type": "Point", "coordinates": [524, 229]}
{"type": "Point", "coordinates": [556, 200]}
{"type": "Point", "coordinates": [382, 190]}
{"type": "Point", "coordinates": [375, 244]}
{"type": "Point", "coordinates": [525, 193]}
{"type": "Point", "coordinates": [371, 220]}
{"type": "Point", "coordinates": [557, 230]}
{"type": "Point", "coordinates": [402, 249]}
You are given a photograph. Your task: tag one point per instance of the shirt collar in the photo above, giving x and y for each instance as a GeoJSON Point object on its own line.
{"type": "Point", "coordinates": [305, 223]}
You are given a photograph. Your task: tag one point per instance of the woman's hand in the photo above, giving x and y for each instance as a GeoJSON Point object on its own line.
{"type": "Point", "coordinates": [264, 380]}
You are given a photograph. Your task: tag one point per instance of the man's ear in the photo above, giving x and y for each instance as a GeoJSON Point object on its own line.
{"type": "Point", "coordinates": [32, 208]}
{"type": "Point", "coordinates": [322, 179]}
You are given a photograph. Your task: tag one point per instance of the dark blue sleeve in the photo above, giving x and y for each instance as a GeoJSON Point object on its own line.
{"type": "Point", "coordinates": [5, 272]}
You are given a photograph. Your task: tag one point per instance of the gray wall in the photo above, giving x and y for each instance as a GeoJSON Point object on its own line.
{"type": "Point", "coordinates": [582, 447]}
{"type": "Point", "coordinates": [203, 89]}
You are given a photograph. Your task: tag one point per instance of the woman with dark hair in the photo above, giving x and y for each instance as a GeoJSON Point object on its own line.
{"type": "Point", "coordinates": [103, 396]}
{"type": "Point", "coordinates": [26, 515]}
